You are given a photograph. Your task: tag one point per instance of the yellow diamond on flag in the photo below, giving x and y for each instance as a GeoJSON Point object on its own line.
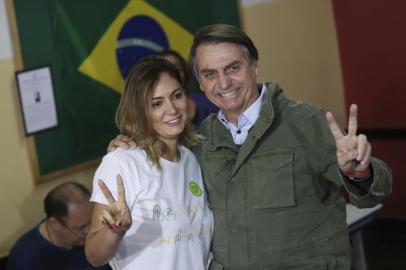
{"type": "Point", "coordinates": [103, 64]}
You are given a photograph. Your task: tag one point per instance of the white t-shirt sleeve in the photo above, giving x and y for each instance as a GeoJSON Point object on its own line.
{"type": "Point", "coordinates": [110, 167]}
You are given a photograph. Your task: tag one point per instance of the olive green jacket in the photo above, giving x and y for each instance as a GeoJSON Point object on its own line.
{"type": "Point", "coordinates": [277, 201]}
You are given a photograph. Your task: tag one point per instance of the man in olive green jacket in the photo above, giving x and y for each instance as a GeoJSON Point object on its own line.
{"type": "Point", "coordinates": [274, 167]}
{"type": "Point", "coordinates": [277, 200]}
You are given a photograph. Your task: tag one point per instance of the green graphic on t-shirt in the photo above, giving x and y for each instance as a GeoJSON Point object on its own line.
{"type": "Point", "coordinates": [195, 189]}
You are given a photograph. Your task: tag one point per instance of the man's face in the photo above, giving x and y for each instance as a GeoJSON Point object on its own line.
{"type": "Point", "coordinates": [76, 224]}
{"type": "Point", "coordinates": [227, 76]}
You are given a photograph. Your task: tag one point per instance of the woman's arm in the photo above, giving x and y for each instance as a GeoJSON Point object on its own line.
{"type": "Point", "coordinates": [108, 226]}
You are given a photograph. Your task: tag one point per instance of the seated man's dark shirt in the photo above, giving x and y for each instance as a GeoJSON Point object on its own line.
{"type": "Point", "coordinates": [32, 251]}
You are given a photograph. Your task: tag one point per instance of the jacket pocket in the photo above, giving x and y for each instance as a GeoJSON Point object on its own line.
{"type": "Point", "coordinates": [273, 179]}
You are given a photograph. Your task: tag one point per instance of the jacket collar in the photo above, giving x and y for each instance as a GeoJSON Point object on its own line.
{"type": "Point", "coordinates": [218, 136]}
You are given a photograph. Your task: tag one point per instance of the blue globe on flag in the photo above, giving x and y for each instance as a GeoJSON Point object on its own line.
{"type": "Point", "coordinates": [140, 36]}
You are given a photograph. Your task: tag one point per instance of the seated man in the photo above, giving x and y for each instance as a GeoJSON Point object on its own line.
{"type": "Point", "coordinates": [57, 242]}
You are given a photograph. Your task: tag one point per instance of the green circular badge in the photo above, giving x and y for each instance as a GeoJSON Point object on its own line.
{"type": "Point", "coordinates": [195, 189]}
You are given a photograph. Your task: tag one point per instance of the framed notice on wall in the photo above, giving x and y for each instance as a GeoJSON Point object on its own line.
{"type": "Point", "coordinates": [36, 92]}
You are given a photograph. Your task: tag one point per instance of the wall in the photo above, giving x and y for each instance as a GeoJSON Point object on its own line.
{"type": "Point", "coordinates": [297, 44]}
{"type": "Point", "coordinates": [373, 59]}
{"type": "Point", "coordinates": [372, 47]}
{"type": "Point", "coordinates": [20, 199]}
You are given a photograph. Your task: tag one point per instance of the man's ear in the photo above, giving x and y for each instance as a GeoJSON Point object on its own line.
{"type": "Point", "coordinates": [256, 68]}
{"type": "Point", "coordinates": [54, 222]}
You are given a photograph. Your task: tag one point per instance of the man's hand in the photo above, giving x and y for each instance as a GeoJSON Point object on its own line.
{"type": "Point", "coordinates": [353, 152]}
{"type": "Point", "coordinates": [120, 141]}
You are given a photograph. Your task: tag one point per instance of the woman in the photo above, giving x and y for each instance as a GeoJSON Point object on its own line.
{"type": "Point", "coordinates": [199, 107]}
{"type": "Point", "coordinates": [150, 209]}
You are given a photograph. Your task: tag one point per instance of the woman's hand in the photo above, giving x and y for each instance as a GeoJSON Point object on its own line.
{"type": "Point", "coordinates": [116, 215]}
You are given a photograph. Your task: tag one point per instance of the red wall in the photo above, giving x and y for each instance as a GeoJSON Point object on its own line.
{"type": "Point", "coordinates": [393, 153]}
{"type": "Point", "coordinates": [372, 44]}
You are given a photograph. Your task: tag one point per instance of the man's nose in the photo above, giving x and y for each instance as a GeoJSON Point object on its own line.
{"type": "Point", "coordinates": [224, 81]}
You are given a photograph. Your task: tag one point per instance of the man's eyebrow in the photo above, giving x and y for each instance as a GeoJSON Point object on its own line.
{"type": "Point", "coordinates": [232, 64]}
{"type": "Point", "coordinates": [207, 70]}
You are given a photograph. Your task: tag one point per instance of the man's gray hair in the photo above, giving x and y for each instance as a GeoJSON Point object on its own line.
{"type": "Point", "coordinates": [220, 33]}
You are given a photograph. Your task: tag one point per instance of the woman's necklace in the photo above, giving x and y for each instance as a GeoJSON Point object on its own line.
{"type": "Point", "coordinates": [49, 234]}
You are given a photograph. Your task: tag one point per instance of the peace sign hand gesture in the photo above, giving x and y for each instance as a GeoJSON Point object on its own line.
{"type": "Point", "coordinates": [117, 215]}
{"type": "Point", "coordinates": [353, 152]}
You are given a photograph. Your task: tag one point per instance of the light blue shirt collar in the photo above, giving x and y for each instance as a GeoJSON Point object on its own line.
{"type": "Point", "coordinates": [245, 121]}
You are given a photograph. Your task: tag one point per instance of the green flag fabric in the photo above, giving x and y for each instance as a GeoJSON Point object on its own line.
{"type": "Point", "coordinates": [90, 46]}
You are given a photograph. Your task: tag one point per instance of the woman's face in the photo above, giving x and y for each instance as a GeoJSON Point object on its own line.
{"type": "Point", "coordinates": [168, 109]}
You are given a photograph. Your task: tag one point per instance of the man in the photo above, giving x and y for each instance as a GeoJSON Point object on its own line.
{"type": "Point", "coordinates": [57, 242]}
{"type": "Point", "coordinates": [274, 167]}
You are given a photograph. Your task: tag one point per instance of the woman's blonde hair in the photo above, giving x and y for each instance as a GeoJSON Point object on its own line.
{"type": "Point", "coordinates": [133, 117]}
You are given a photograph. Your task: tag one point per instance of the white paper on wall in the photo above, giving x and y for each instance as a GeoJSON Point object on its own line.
{"type": "Point", "coordinates": [5, 43]}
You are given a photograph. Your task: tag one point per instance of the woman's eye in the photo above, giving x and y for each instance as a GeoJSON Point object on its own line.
{"type": "Point", "coordinates": [156, 104]}
{"type": "Point", "coordinates": [178, 95]}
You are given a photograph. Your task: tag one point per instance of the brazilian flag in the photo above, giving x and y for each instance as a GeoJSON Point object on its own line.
{"type": "Point", "coordinates": [90, 46]}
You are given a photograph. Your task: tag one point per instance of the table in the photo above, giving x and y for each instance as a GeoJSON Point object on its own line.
{"type": "Point", "coordinates": [356, 219]}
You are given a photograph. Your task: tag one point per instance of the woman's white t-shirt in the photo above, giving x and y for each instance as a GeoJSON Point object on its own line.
{"type": "Point", "coordinates": [172, 224]}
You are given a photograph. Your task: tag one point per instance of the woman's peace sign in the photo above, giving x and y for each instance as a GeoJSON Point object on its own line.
{"type": "Point", "coordinates": [117, 215]}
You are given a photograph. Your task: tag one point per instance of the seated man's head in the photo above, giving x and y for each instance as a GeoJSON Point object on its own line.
{"type": "Point", "coordinates": [68, 213]}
